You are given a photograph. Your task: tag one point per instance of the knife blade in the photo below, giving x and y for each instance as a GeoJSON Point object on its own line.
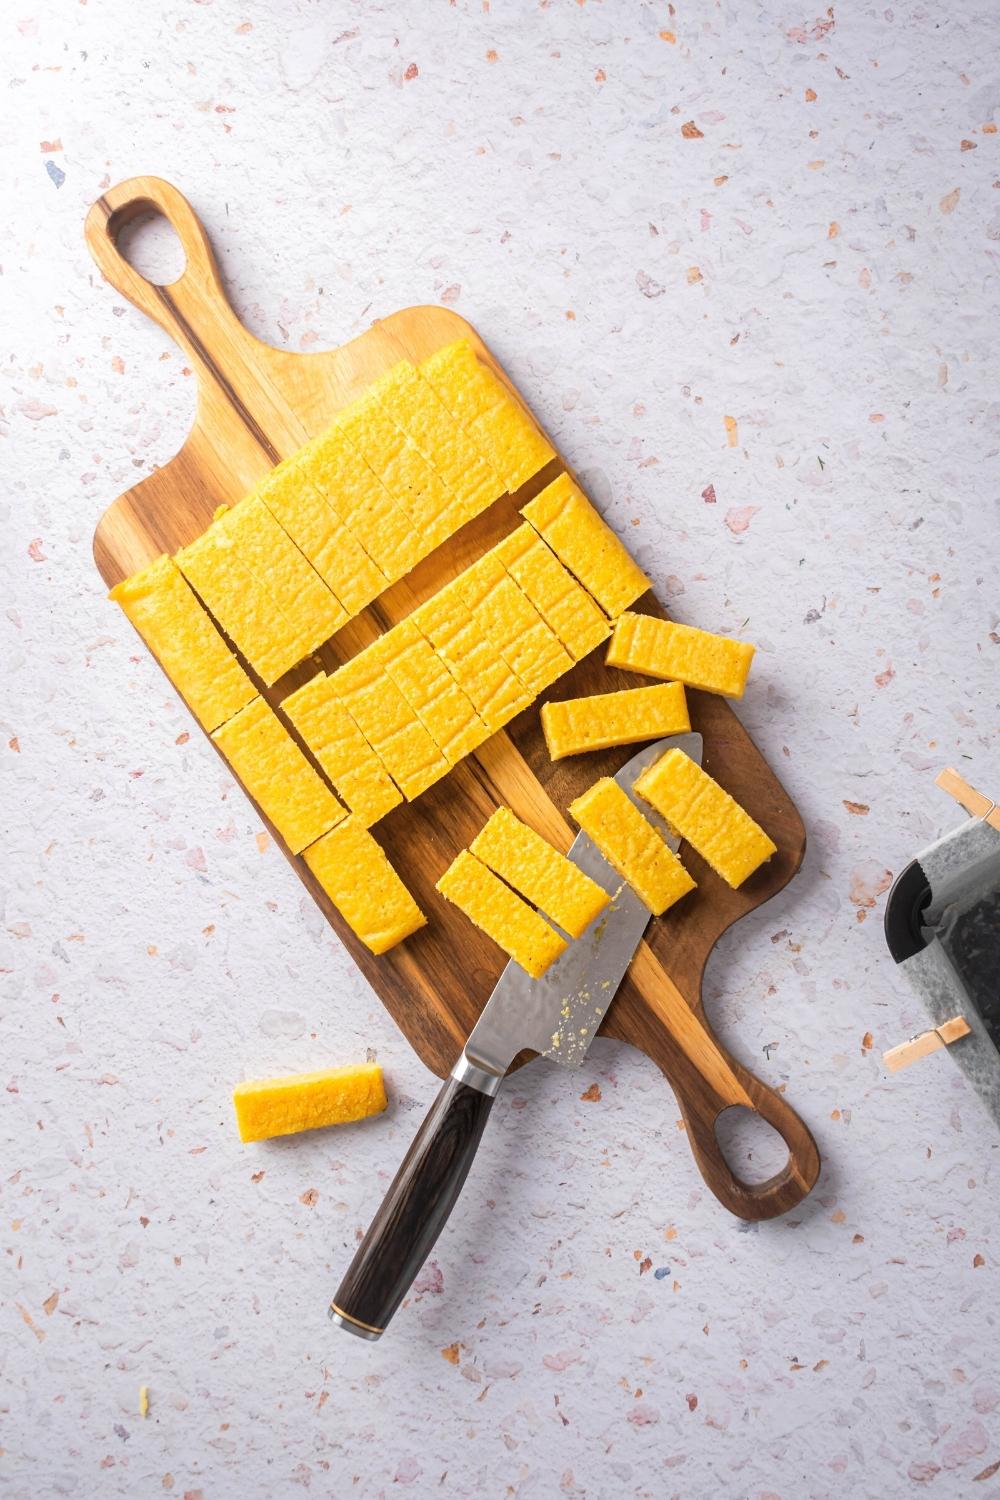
{"type": "Point", "coordinates": [556, 1016]}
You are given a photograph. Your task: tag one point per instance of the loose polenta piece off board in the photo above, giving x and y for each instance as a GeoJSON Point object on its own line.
{"type": "Point", "coordinates": [358, 878]}
{"type": "Point", "coordinates": [711, 821]}
{"type": "Point", "coordinates": [662, 648]}
{"type": "Point", "coordinates": [631, 845]}
{"type": "Point", "coordinates": [277, 775]}
{"type": "Point", "coordinates": [268, 1107]}
{"type": "Point", "coordinates": [181, 635]}
{"type": "Point", "coordinates": [538, 872]}
{"type": "Point", "coordinates": [499, 912]}
{"type": "Point", "coordinates": [576, 725]}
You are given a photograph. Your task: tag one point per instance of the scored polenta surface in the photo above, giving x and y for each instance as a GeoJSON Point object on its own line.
{"type": "Point", "coordinates": [413, 484]}
{"type": "Point", "coordinates": [354, 872]}
{"type": "Point", "coordinates": [662, 648]}
{"type": "Point", "coordinates": [578, 536]}
{"type": "Point", "coordinates": [277, 775]}
{"type": "Point", "coordinates": [175, 627]}
{"type": "Point", "coordinates": [631, 845]}
{"type": "Point", "coordinates": [546, 878]}
{"type": "Point", "coordinates": [476, 665]}
{"type": "Point", "coordinates": [445, 711]}
{"type": "Point", "coordinates": [362, 502]}
{"type": "Point", "coordinates": [329, 730]}
{"type": "Point", "coordinates": [321, 536]}
{"type": "Point", "coordinates": [415, 406]}
{"type": "Point", "coordinates": [495, 421]}
{"type": "Point", "coordinates": [576, 725]}
{"type": "Point", "coordinates": [243, 606]}
{"type": "Point", "coordinates": [563, 604]}
{"type": "Point", "coordinates": [268, 1107]}
{"type": "Point", "coordinates": [388, 722]}
{"type": "Point", "coordinates": [499, 912]}
{"type": "Point", "coordinates": [296, 588]}
{"type": "Point", "coordinates": [510, 621]}
{"type": "Point", "coordinates": [704, 814]}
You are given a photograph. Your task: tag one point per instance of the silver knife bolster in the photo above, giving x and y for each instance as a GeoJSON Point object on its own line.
{"type": "Point", "coordinates": [476, 1076]}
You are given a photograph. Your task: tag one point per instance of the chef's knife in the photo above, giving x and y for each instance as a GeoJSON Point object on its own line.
{"type": "Point", "coordinates": [557, 1016]}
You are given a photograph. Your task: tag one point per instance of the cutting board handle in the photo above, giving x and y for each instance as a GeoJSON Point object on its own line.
{"type": "Point", "coordinates": [193, 309]}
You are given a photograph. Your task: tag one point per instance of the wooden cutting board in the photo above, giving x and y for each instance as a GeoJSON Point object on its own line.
{"type": "Point", "coordinates": [256, 405]}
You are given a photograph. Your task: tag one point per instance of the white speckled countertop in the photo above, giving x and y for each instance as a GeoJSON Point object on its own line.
{"type": "Point", "coordinates": [743, 262]}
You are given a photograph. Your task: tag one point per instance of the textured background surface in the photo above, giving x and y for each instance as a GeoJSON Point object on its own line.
{"type": "Point", "coordinates": [810, 265]}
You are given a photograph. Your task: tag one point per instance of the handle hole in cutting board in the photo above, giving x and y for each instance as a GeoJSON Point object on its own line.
{"type": "Point", "coordinates": [753, 1149]}
{"type": "Point", "coordinates": [151, 245]}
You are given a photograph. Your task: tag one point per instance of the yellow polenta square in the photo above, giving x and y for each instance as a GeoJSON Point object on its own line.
{"type": "Point", "coordinates": [321, 536]}
{"type": "Point", "coordinates": [476, 665]}
{"type": "Point", "coordinates": [268, 1107]}
{"type": "Point", "coordinates": [180, 634]}
{"type": "Point", "coordinates": [498, 424]}
{"type": "Point", "coordinates": [494, 908]}
{"type": "Point", "coordinates": [388, 722]}
{"type": "Point", "coordinates": [354, 872]}
{"type": "Point", "coordinates": [345, 755]}
{"type": "Point", "coordinates": [509, 620]}
{"type": "Point", "coordinates": [243, 606]}
{"type": "Point", "coordinates": [709, 819]}
{"type": "Point", "coordinates": [623, 718]}
{"type": "Point", "coordinates": [433, 694]}
{"type": "Point", "coordinates": [564, 516]}
{"type": "Point", "coordinates": [413, 405]}
{"type": "Point", "coordinates": [631, 845]}
{"type": "Point", "coordinates": [406, 474]}
{"type": "Point", "coordinates": [277, 775]}
{"type": "Point", "coordinates": [352, 489]}
{"type": "Point", "coordinates": [540, 873]}
{"type": "Point", "coordinates": [276, 562]}
{"type": "Point", "coordinates": [662, 648]}
{"type": "Point", "coordinates": [564, 604]}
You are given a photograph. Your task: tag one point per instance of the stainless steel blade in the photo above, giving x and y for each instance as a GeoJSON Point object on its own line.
{"type": "Point", "coordinates": [558, 1015]}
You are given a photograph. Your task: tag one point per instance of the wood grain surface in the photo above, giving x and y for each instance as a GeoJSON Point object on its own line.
{"type": "Point", "coordinates": [256, 405]}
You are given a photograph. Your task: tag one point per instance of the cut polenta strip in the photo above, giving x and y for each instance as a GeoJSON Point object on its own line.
{"type": "Point", "coordinates": [494, 908]}
{"type": "Point", "coordinates": [180, 634]}
{"type": "Point", "coordinates": [402, 468]}
{"type": "Point", "coordinates": [662, 648]}
{"type": "Point", "coordinates": [711, 821]}
{"type": "Point", "coordinates": [564, 516]}
{"type": "Point", "coordinates": [387, 721]}
{"type": "Point", "coordinates": [355, 769]}
{"type": "Point", "coordinates": [414, 406]}
{"type": "Point", "coordinates": [307, 1101]}
{"type": "Point", "coordinates": [631, 845]}
{"type": "Point", "coordinates": [462, 644]}
{"type": "Point", "coordinates": [511, 622]}
{"type": "Point", "coordinates": [623, 718]}
{"type": "Point", "coordinates": [277, 775]}
{"type": "Point", "coordinates": [429, 688]}
{"type": "Point", "coordinates": [357, 495]}
{"type": "Point", "coordinates": [540, 873]}
{"type": "Point", "coordinates": [563, 603]}
{"type": "Point", "coordinates": [242, 605]}
{"type": "Point", "coordinates": [321, 536]}
{"type": "Point", "coordinates": [359, 880]}
{"type": "Point", "coordinates": [497, 423]}
{"type": "Point", "coordinates": [278, 565]}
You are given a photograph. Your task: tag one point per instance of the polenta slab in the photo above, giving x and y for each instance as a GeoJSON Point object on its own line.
{"type": "Point", "coordinates": [175, 627]}
{"type": "Point", "coordinates": [494, 908]}
{"type": "Point", "coordinates": [662, 648]}
{"type": "Point", "coordinates": [533, 652]}
{"type": "Point", "coordinates": [354, 872]}
{"type": "Point", "coordinates": [267, 1107]}
{"type": "Point", "coordinates": [710, 819]}
{"type": "Point", "coordinates": [563, 603]}
{"type": "Point", "coordinates": [402, 468]}
{"type": "Point", "coordinates": [631, 845]}
{"type": "Point", "coordinates": [321, 536]}
{"type": "Point", "coordinates": [564, 516]}
{"type": "Point", "coordinates": [623, 718]}
{"type": "Point", "coordinates": [355, 492]}
{"type": "Point", "coordinates": [435, 697]}
{"type": "Point", "coordinates": [540, 873]}
{"type": "Point", "coordinates": [355, 769]}
{"type": "Point", "coordinates": [277, 775]}
{"type": "Point", "coordinates": [243, 606]}
{"type": "Point", "coordinates": [461, 642]}
{"type": "Point", "coordinates": [388, 722]}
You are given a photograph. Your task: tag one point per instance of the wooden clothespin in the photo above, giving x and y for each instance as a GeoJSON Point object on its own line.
{"type": "Point", "coordinates": [976, 803]}
{"type": "Point", "coordinates": [926, 1043]}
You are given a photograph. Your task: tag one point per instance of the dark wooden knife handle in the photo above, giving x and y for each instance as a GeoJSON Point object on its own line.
{"type": "Point", "coordinates": [413, 1211]}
